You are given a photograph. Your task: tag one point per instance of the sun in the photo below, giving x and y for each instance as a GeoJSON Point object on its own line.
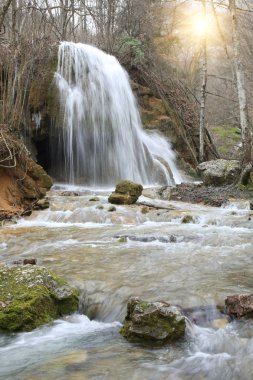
{"type": "Point", "coordinates": [200, 25]}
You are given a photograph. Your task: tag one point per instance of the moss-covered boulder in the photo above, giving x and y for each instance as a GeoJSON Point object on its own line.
{"type": "Point", "coordinates": [31, 296]}
{"type": "Point", "coordinates": [152, 321]}
{"type": "Point", "coordinates": [126, 192]}
{"type": "Point", "coordinates": [219, 172]}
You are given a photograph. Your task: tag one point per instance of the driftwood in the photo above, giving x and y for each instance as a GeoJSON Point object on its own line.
{"type": "Point", "coordinates": [156, 207]}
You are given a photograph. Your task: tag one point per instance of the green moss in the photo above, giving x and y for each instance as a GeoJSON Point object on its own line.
{"type": "Point", "coordinates": [248, 187]}
{"type": "Point", "coordinates": [129, 187]}
{"type": "Point", "coordinates": [31, 296]}
{"type": "Point", "coordinates": [143, 305]}
{"type": "Point", "coordinates": [145, 322]}
{"type": "Point", "coordinates": [52, 102]}
{"type": "Point", "coordinates": [226, 138]}
{"type": "Point", "coordinates": [45, 181]}
{"type": "Point", "coordinates": [43, 94]}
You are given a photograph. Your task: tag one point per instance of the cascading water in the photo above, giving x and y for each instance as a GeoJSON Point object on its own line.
{"type": "Point", "coordinates": [101, 139]}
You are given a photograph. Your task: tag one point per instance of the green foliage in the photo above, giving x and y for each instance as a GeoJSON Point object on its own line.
{"type": "Point", "coordinates": [133, 48]}
{"type": "Point", "coordinates": [226, 138]}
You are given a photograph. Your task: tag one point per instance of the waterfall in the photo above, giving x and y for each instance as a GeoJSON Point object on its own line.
{"type": "Point", "coordinates": [100, 135]}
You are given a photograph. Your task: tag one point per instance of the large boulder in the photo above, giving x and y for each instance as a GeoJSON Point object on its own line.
{"type": "Point", "coordinates": [126, 193]}
{"type": "Point", "coordinates": [31, 296]}
{"type": "Point", "coordinates": [240, 305]}
{"type": "Point", "coordinates": [219, 172]}
{"type": "Point", "coordinates": [152, 321]}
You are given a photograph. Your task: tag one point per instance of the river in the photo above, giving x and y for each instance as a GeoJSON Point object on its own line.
{"type": "Point", "coordinates": [134, 251]}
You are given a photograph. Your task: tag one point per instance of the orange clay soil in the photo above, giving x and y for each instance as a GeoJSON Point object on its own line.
{"type": "Point", "coordinates": [10, 195]}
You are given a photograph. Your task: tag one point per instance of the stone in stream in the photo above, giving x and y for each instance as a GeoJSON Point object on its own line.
{"type": "Point", "coordinates": [30, 261]}
{"type": "Point", "coordinates": [144, 239]}
{"type": "Point", "coordinates": [126, 193]}
{"type": "Point", "coordinates": [152, 321]}
{"type": "Point", "coordinates": [187, 219]}
{"type": "Point", "coordinates": [239, 305]}
{"type": "Point", "coordinates": [32, 296]}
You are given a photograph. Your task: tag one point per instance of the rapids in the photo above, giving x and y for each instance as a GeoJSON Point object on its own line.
{"type": "Point", "coordinates": [79, 239]}
{"type": "Point", "coordinates": [100, 138]}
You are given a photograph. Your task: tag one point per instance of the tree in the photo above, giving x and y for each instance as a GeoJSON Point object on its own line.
{"type": "Point", "coordinates": [241, 89]}
{"type": "Point", "coordinates": [203, 89]}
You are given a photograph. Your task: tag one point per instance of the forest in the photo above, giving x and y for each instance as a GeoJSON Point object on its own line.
{"type": "Point", "coordinates": [126, 189]}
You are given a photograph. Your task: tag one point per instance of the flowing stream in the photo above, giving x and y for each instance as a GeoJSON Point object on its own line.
{"type": "Point", "coordinates": [112, 255]}
{"type": "Point", "coordinates": [100, 136]}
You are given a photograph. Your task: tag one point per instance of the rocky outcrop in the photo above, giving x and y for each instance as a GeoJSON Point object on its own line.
{"type": "Point", "coordinates": [167, 107]}
{"type": "Point", "coordinates": [22, 181]}
{"type": "Point", "coordinates": [152, 321]}
{"type": "Point", "coordinates": [219, 172]}
{"type": "Point", "coordinates": [31, 296]}
{"type": "Point", "coordinates": [240, 305]}
{"type": "Point", "coordinates": [126, 193]}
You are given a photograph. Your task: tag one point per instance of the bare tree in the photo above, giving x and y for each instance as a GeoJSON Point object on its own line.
{"type": "Point", "coordinates": [241, 88]}
{"type": "Point", "coordinates": [203, 90]}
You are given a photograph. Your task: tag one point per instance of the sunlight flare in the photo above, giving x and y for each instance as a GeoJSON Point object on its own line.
{"type": "Point", "coordinates": [200, 25]}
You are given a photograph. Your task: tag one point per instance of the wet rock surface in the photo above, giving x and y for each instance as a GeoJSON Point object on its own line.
{"type": "Point", "coordinates": [126, 193]}
{"type": "Point", "coordinates": [152, 321]}
{"type": "Point", "coordinates": [206, 316]}
{"type": "Point", "coordinates": [31, 296]}
{"type": "Point", "coordinates": [146, 239]}
{"type": "Point", "coordinates": [240, 305]}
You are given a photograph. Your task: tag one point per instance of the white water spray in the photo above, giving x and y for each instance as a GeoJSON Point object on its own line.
{"type": "Point", "coordinates": [101, 136]}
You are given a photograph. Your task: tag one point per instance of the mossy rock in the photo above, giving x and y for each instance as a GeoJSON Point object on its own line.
{"type": "Point", "coordinates": [31, 296]}
{"type": "Point", "coordinates": [152, 321]}
{"type": "Point", "coordinates": [121, 199]}
{"type": "Point", "coordinates": [129, 187]}
{"type": "Point", "coordinates": [187, 219]}
{"type": "Point", "coordinates": [37, 172]}
{"type": "Point", "coordinates": [126, 192]}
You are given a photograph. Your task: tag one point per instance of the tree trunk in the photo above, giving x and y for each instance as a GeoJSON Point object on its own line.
{"type": "Point", "coordinates": [241, 91]}
{"type": "Point", "coordinates": [3, 13]}
{"type": "Point", "coordinates": [203, 92]}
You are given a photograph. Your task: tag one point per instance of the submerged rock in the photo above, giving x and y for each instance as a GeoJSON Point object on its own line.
{"type": "Point", "coordinates": [240, 305]}
{"type": "Point", "coordinates": [206, 316]}
{"type": "Point", "coordinates": [30, 261]}
{"type": "Point", "coordinates": [126, 192]}
{"type": "Point", "coordinates": [112, 209]}
{"type": "Point", "coordinates": [187, 219]}
{"type": "Point", "coordinates": [94, 199]}
{"type": "Point", "coordinates": [32, 296]}
{"type": "Point", "coordinates": [152, 321]}
{"type": "Point", "coordinates": [219, 172]}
